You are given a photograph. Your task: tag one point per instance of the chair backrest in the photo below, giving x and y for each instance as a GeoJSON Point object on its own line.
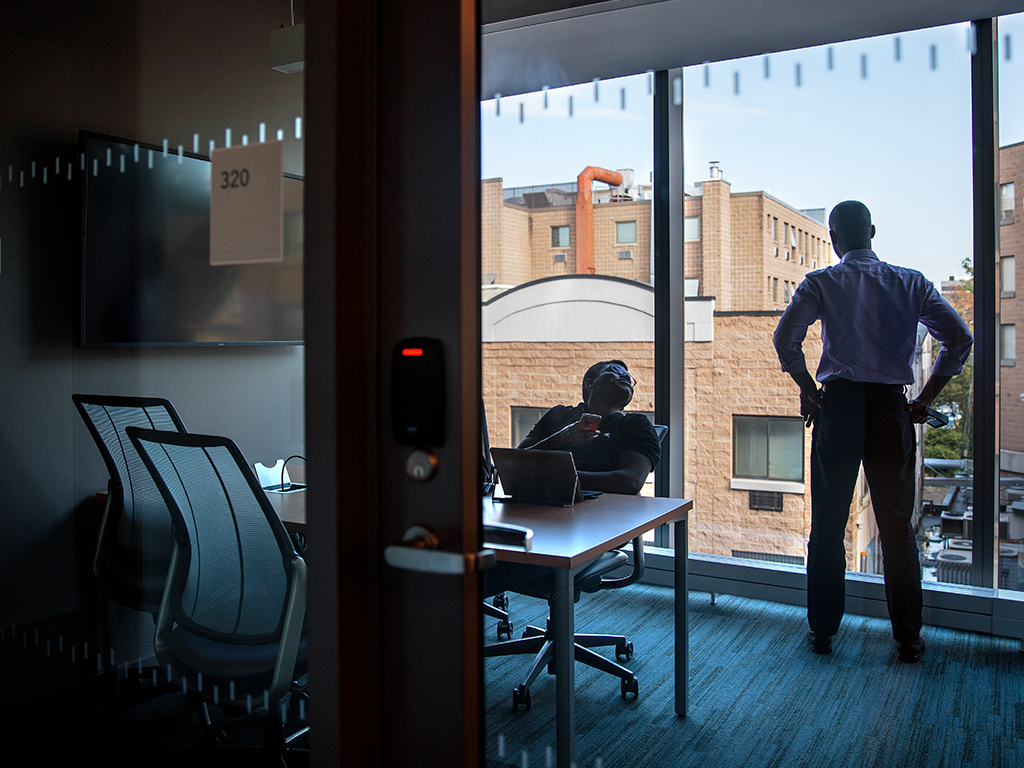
{"type": "Point", "coordinates": [232, 570]}
{"type": "Point", "coordinates": [140, 521]}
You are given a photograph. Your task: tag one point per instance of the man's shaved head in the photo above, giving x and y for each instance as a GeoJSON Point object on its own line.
{"type": "Point", "coordinates": [850, 226]}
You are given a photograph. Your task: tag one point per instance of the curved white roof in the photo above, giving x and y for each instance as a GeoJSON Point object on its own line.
{"type": "Point", "coordinates": [572, 308]}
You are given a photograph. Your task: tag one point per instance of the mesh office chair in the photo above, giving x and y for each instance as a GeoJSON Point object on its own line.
{"type": "Point", "coordinates": [540, 582]}
{"type": "Point", "coordinates": [134, 545]}
{"type": "Point", "coordinates": [229, 629]}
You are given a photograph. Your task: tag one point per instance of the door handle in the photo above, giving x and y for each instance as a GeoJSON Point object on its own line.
{"type": "Point", "coordinates": [419, 552]}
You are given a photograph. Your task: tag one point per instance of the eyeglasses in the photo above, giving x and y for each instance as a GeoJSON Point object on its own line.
{"type": "Point", "coordinates": [619, 370]}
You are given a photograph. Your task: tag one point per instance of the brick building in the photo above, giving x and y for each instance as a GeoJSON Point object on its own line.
{"type": "Point", "coordinates": [747, 452]}
{"type": "Point", "coordinates": [1011, 310]}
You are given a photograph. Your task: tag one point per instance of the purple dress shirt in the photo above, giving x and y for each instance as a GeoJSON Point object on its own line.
{"type": "Point", "coordinates": [869, 313]}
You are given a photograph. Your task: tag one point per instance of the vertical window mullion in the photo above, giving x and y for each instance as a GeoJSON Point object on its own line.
{"type": "Point", "coordinates": [987, 212]}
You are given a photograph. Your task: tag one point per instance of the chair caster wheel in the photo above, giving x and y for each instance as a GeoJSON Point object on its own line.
{"type": "Point", "coordinates": [630, 686]}
{"type": "Point", "coordinates": [216, 738]}
{"type": "Point", "coordinates": [624, 652]}
{"type": "Point", "coordinates": [520, 696]}
{"type": "Point", "coordinates": [500, 601]}
{"type": "Point", "coordinates": [505, 629]}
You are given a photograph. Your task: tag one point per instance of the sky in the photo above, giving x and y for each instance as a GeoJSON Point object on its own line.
{"type": "Point", "coordinates": [888, 123]}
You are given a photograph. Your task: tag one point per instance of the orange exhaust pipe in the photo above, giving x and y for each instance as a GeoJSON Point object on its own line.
{"type": "Point", "coordinates": [585, 214]}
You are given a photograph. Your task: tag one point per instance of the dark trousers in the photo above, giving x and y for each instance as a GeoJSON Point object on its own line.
{"type": "Point", "coordinates": [863, 423]}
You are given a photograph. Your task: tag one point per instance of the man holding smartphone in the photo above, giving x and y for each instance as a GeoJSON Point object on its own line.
{"type": "Point", "coordinates": [869, 312]}
{"type": "Point", "coordinates": [614, 450]}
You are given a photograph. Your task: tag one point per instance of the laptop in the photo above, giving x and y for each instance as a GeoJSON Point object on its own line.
{"type": "Point", "coordinates": [539, 477]}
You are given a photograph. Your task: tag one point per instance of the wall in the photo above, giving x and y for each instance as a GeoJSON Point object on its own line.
{"type": "Point", "coordinates": [145, 71]}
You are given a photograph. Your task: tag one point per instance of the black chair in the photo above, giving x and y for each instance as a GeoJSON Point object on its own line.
{"type": "Point", "coordinates": [229, 630]}
{"type": "Point", "coordinates": [134, 545]}
{"type": "Point", "coordinates": [537, 581]}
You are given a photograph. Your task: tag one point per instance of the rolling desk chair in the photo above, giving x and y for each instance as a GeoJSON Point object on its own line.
{"type": "Point", "coordinates": [134, 545]}
{"type": "Point", "coordinates": [230, 626]}
{"type": "Point", "coordinates": [540, 583]}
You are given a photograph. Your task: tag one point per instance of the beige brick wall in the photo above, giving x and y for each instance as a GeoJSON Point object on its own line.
{"type": "Point", "coordinates": [606, 249]}
{"type": "Point", "coordinates": [739, 374]}
{"type": "Point", "coordinates": [717, 244]}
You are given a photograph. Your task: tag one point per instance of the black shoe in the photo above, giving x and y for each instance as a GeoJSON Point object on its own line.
{"type": "Point", "coordinates": [819, 643]}
{"type": "Point", "coordinates": [910, 653]}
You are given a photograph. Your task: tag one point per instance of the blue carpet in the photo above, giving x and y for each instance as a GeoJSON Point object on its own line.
{"type": "Point", "coordinates": [760, 698]}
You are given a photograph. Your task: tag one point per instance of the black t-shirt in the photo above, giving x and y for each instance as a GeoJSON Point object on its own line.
{"type": "Point", "coordinates": [620, 431]}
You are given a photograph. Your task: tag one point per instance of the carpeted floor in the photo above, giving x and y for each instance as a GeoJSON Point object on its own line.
{"type": "Point", "coordinates": [760, 698]}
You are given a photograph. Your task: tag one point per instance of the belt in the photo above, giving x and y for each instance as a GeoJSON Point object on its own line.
{"type": "Point", "coordinates": [841, 384]}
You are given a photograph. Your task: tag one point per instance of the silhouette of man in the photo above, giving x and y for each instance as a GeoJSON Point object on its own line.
{"type": "Point", "coordinates": [869, 312]}
{"type": "Point", "coordinates": [619, 453]}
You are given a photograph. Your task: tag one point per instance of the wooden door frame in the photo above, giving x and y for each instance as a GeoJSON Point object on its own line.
{"type": "Point", "coordinates": [360, 60]}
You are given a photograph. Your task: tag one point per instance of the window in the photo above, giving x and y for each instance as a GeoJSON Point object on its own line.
{"type": "Point", "coordinates": [1007, 277]}
{"type": "Point", "coordinates": [785, 291]}
{"type": "Point", "coordinates": [1006, 194]}
{"type": "Point", "coordinates": [768, 448]}
{"type": "Point", "coordinates": [560, 236]}
{"type": "Point", "coordinates": [1008, 344]}
{"type": "Point", "coordinates": [691, 228]}
{"type": "Point", "coordinates": [523, 419]}
{"type": "Point", "coordinates": [559, 258]}
{"type": "Point", "coordinates": [625, 255]}
{"type": "Point", "coordinates": [775, 231]}
{"type": "Point", "coordinates": [775, 288]}
{"type": "Point", "coordinates": [625, 232]}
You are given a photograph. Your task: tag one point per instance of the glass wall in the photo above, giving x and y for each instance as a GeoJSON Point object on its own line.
{"type": "Point", "coordinates": [567, 247]}
{"type": "Point", "coordinates": [1011, 306]}
{"type": "Point", "coordinates": [166, 84]}
{"type": "Point", "coordinates": [772, 143]}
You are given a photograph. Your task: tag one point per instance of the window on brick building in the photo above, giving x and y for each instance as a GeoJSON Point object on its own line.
{"type": "Point", "coordinates": [691, 228]}
{"type": "Point", "coordinates": [1008, 344]}
{"type": "Point", "coordinates": [523, 419]}
{"type": "Point", "coordinates": [768, 448]}
{"type": "Point", "coordinates": [775, 231]}
{"type": "Point", "coordinates": [775, 289]}
{"type": "Point", "coordinates": [1007, 277]}
{"type": "Point", "coordinates": [560, 236]}
{"type": "Point", "coordinates": [1006, 194]}
{"type": "Point", "coordinates": [785, 291]}
{"type": "Point", "coordinates": [625, 232]}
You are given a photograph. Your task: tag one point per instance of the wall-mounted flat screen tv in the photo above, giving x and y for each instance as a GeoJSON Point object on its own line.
{"type": "Point", "coordinates": [146, 278]}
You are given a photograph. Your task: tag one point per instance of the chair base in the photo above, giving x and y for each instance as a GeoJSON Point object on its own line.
{"type": "Point", "coordinates": [540, 642]}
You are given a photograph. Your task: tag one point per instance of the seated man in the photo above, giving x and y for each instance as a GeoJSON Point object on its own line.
{"type": "Point", "coordinates": [616, 457]}
{"type": "Point", "coordinates": [621, 452]}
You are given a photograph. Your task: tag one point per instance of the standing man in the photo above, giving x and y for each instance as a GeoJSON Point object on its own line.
{"type": "Point", "coordinates": [869, 312]}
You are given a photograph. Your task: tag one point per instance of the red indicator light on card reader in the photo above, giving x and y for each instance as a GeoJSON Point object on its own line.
{"type": "Point", "coordinates": [412, 352]}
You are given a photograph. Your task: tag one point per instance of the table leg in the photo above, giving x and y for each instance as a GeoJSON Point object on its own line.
{"type": "Point", "coordinates": [682, 614]}
{"type": "Point", "coordinates": [565, 682]}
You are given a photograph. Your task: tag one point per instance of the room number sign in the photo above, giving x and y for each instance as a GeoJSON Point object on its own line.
{"type": "Point", "coordinates": [247, 204]}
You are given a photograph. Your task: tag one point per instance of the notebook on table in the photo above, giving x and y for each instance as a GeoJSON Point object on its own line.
{"type": "Point", "coordinates": [539, 477]}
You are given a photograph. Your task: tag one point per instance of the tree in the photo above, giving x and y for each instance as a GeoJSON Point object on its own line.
{"type": "Point", "coordinates": [957, 397]}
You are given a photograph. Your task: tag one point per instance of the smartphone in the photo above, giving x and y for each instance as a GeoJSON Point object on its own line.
{"type": "Point", "coordinates": [935, 418]}
{"type": "Point", "coordinates": [589, 422]}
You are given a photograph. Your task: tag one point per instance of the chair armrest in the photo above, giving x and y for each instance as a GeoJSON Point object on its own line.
{"type": "Point", "coordinates": [638, 568]}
